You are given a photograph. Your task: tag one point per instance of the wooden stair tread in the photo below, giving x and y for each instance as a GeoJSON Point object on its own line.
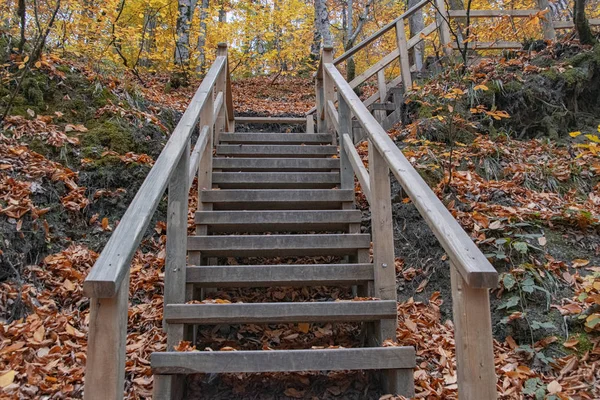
{"type": "Point", "coordinates": [284, 312]}
{"type": "Point", "coordinates": [275, 138]}
{"type": "Point", "coordinates": [279, 275]}
{"type": "Point", "coordinates": [278, 245]}
{"type": "Point", "coordinates": [278, 164]}
{"type": "Point", "coordinates": [246, 150]}
{"type": "Point", "coordinates": [275, 180]}
{"type": "Point", "coordinates": [373, 358]}
{"type": "Point", "coordinates": [290, 199]}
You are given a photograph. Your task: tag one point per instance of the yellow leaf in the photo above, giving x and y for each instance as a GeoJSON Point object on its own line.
{"type": "Point", "coordinates": [593, 138]}
{"type": "Point", "coordinates": [578, 262]}
{"type": "Point", "coordinates": [575, 134]}
{"type": "Point", "coordinates": [303, 327]}
{"type": "Point", "coordinates": [38, 64]}
{"type": "Point", "coordinates": [481, 87]}
{"type": "Point", "coordinates": [21, 66]}
{"type": "Point", "coordinates": [7, 378]}
{"type": "Point", "coordinates": [25, 59]}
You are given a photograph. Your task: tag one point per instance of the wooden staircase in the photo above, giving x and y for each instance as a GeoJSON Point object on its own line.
{"type": "Point", "coordinates": [270, 193]}
{"type": "Point", "coordinates": [263, 196]}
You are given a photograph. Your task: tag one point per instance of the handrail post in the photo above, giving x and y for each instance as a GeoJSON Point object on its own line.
{"type": "Point", "coordinates": [328, 90]}
{"type": "Point", "coordinates": [105, 363]}
{"type": "Point", "coordinates": [345, 122]}
{"type": "Point", "coordinates": [442, 18]}
{"type": "Point", "coordinates": [473, 339]}
{"type": "Point", "coordinates": [320, 113]}
{"type": "Point", "coordinates": [221, 86]}
{"type": "Point", "coordinates": [403, 55]}
{"type": "Point", "coordinates": [395, 381]}
{"type": "Point", "coordinates": [546, 20]}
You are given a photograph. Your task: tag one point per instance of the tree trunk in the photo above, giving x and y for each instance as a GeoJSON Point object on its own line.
{"type": "Point", "coordinates": [322, 17]}
{"type": "Point", "coordinates": [416, 24]}
{"type": "Point", "coordinates": [182, 45]}
{"type": "Point", "coordinates": [21, 14]}
{"type": "Point", "coordinates": [349, 29]}
{"type": "Point", "coordinates": [315, 47]}
{"type": "Point", "coordinates": [582, 27]}
{"type": "Point", "coordinates": [202, 38]}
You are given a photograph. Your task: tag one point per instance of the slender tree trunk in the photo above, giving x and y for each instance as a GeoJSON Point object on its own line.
{"type": "Point", "coordinates": [582, 26]}
{"type": "Point", "coordinates": [202, 38]}
{"type": "Point", "coordinates": [350, 64]}
{"type": "Point", "coordinates": [322, 17]}
{"type": "Point", "coordinates": [315, 47]}
{"type": "Point", "coordinates": [21, 14]}
{"type": "Point", "coordinates": [182, 45]}
{"type": "Point", "coordinates": [416, 24]}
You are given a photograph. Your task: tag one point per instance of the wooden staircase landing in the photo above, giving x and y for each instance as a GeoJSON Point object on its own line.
{"type": "Point", "coordinates": [278, 195]}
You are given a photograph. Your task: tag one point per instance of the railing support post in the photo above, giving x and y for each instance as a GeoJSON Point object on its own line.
{"type": "Point", "coordinates": [473, 339]}
{"type": "Point", "coordinates": [328, 91]}
{"type": "Point", "coordinates": [105, 365]}
{"type": "Point", "coordinates": [403, 58]}
{"type": "Point", "coordinates": [221, 86]}
{"type": "Point", "coordinates": [546, 21]}
{"type": "Point", "coordinates": [345, 122]}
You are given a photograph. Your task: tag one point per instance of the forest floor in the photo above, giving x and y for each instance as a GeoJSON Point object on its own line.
{"type": "Point", "coordinates": [524, 185]}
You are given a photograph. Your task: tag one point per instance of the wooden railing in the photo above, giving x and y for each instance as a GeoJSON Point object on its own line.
{"type": "Point", "coordinates": [107, 285]}
{"type": "Point", "coordinates": [407, 43]}
{"type": "Point", "coordinates": [471, 273]}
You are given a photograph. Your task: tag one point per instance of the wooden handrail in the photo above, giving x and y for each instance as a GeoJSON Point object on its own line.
{"type": "Point", "coordinates": [380, 32]}
{"type": "Point", "coordinates": [111, 267]}
{"type": "Point", "coordinates": [107, 285]}
{"type": "Point", "coordinates": [473, 266]}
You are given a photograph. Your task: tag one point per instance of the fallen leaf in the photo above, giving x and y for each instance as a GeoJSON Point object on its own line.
{"type": "Point", "coordinates": [303, 327]}
{"type": "Point", "coordinates": [7, 378]}
{"type": "Point", "coordinates": [554, 387]}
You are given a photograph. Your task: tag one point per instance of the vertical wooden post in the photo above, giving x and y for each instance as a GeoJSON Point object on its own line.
{"type": "Point", "coordinates": [383, 236]}
{"type": "Point", "coordinates": [310, 124]}
{"type": "Point", "coordinates": [381, 114]}
{"type": "Point", "coordinates": [345, 121]}
{"type": "Point", "coordinates": [547, 22]}
{"type": "Point", "coordinates": [443, 18]}
{"type": "Point", "coordinates": [105, 365]}
{"type": "Point", "coordinates": [328, 89]}
{"type": "Point", "coordinates": [473, 338]}
{"type": "Point", "coordinates": [395, 381]}
{"type": "Point", "coordinates": [403, 58]}
{"type": "Point", "coordinates": [221, 87]}
{"type": "Point", "coordinates": [320, 96]}
{"type": "Point", "coordinates": [176, 249]}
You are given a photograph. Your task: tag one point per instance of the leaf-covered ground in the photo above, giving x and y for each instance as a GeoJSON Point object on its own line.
{"type": "Point", "coordinates": [78, 144]}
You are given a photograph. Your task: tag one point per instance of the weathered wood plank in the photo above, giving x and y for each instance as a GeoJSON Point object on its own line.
{"type": "Point", "coordinates": [312, 199]}
{"type": "Point", "coordinates": [497, 45]}
{"type": "Point", "coordinates": [275, 138]}
{"type": "Point", "coordinates": [546, 20]}
{"type": "Point", "coordinates": [276, 180]}
{"type": "Point", "coordinates": [403, 55]}
{"type": "Point", "coordinates": [380, 32]}
{"type": "Point", "coordinates": [278, 245]}
{"type": "Point", "coordinates": [358, 166]}
{"type": "Point", "coordinates": [199, 149]}
{"type": "Point", "coordinates": [276, 164]}
{"type": "Point", "coordinates": [492, 13]}
{"type": "Point", "coordinates": [569, 24]}
{"type": "Point", "coordinates": [282, 360]}
{"type": "Point", "coordinates": [333, 117]}
{"type": "Point", "coordinates": [279, 275]}
{"type": "Point", "coordinates": [112, 265]}
{"type": "Point", "coordinates": [276, 150]}
{"type": "Point", "coordinates": [418, 37]}
{"type": "Point", "coordinates": [472, 264]}
{"type": "Point", "coordinates": [270, 120]}
{"type": "Point", "coordinates": [473, 337]}
{"type": "Point", "coordinates": [105, 365]}
{"type": "Point", "coordinates": [310, 124]}
{"type": "Point", "coordinates": [277, 217]}
{"type": "Point", "coordinates": [279, 313]}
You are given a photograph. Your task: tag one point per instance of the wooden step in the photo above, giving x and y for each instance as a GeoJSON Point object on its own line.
{"type": "Point", "coordinates": [374, 358]}
{"type": "Point", "coordinates": [276, 180]}
{"type": "Point", "coordinates": [276, 164]}
{"type": "Point", "coordinates": [275, 138]}
{"type": "Point", "coordinates": [279, 275]}
{"type": "Point", "coordinates": [296, 151]}
{"type": "Point", "coordinates": [280, 313]}
{"type": "Point", "coordinates": [279, 245]}
{"type": "Point", "coordinates": [273, 199]}
{"type": "Point", "coordinates": [277, 220]}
